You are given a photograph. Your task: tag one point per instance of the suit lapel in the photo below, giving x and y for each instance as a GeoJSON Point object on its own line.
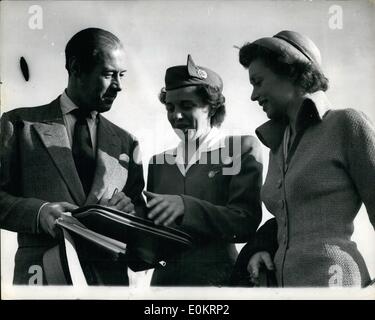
{"type": "Point", "coordinates": [108, 152]}
{"type": "Point", "coordinates": [53, 135]}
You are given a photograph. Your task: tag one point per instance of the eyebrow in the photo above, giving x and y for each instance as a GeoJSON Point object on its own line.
{"type": "Point", "coordinates": [113, 70]}
{"type": "Point", "coordinates": [254, 76]}
{"type": "Point", "coordinates": [187, 101]}
{"type": "Point", "coordinates": [182, 103]}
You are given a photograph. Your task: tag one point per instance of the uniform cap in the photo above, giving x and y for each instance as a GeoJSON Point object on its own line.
{"type": "Point", "coordinates": [191, 75]}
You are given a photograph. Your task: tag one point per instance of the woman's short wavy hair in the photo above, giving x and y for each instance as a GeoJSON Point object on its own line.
{"type": "Point", "coordinates": [210, 95]}
{"type": "Point", "coordinates": [307, 76]}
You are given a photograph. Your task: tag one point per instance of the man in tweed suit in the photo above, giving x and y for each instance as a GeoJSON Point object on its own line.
{"type": "Point", "coordinates": [39, 180]}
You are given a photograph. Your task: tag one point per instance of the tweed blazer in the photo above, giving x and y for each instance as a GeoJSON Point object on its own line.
{"type": "Point", "coordinates": [317, 191]}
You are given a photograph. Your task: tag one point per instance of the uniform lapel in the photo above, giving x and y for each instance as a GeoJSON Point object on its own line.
{"type": "Point", "coordinates": [179, 157]}
{"type": "Point", "coordinates": [214, 141]}
{"type": "Point", "coordinates": [54, 137]}
{"type": "Point", "coordinates": [108, 152]}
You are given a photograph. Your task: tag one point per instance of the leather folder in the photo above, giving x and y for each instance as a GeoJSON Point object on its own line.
{"type": "Point", "coordinates": [149, 242]}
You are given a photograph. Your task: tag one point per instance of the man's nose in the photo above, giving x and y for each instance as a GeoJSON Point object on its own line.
{"type": "Point", "coordinates": [116, 83]}
{"type": "Point", "coordinates": [254, 95]}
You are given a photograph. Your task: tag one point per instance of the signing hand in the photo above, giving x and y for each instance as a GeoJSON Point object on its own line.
{"type": "Point", "coordinates": [50, 212]}
{"type": "Point", "coordinates": [120, 202]}
{"type": "Point", "coordinates": [166, 208]}
{"type": "Point", "coordinates": [255, 262]}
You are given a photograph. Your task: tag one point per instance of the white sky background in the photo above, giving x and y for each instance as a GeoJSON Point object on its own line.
{"type": "Point", "coordinates": [159, 34]}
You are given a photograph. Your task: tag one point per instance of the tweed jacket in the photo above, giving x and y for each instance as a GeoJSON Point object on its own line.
{"type": "Point", "coordinates": [317, 191]}
{"type": "Point", "coordinates": [222, 207]}
{"type": "Point", "coordinates": [37, 166]}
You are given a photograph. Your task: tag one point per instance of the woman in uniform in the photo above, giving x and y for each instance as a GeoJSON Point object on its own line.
{"type": "Point", "coordinates": [208, 186]}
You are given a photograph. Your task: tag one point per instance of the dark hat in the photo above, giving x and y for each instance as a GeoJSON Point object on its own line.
{"type": "Point", "coordinates": [191, 75]}
{"type": "Point", "coordinates": [294, 47]}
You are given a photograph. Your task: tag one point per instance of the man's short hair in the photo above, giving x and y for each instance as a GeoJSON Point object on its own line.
{"type": "Point", "coordinates": [87, 46]}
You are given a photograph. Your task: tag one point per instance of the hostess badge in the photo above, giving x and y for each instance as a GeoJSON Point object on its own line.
{"type": "Point", "coordinates": [227, 161]}
{"type": "Point", "coordinates": [201, 73]}
{"type": "Point", "coordinates": [213, 173]}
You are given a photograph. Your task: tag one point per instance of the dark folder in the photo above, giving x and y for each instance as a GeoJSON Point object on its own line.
{"type": "Point", "coordinates": [149, 242]}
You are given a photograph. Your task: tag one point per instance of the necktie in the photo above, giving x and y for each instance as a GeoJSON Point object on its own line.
{"type": "Point", "coordinates": [83, 153]}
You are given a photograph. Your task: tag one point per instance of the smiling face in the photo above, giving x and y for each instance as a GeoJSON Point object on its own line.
{"type": "Point", "coordinates": [97, 88]}
{"type": "Point", "coordinates": [275, 93]}
{"type": "Point", "coordinates": [187, 113]}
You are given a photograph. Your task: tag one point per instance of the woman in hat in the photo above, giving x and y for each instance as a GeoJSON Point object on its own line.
{"type": "Point", "coordinates": [208, 186]}
{"type": "Point", "coordinates": [321, 168]}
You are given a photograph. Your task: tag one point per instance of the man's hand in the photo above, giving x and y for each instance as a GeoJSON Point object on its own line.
{"type": "Point", "coordinates": [52, 211]}
{"type": "Point", "coordinates": [166, 208]}
{"type": "Point", "coordinates": [120, 202]}
{"type": "Point", "coordinates": [255, 262]}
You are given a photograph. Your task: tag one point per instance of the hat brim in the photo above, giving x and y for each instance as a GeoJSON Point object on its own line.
{"type": "Point", "coordinates": [289, 53]}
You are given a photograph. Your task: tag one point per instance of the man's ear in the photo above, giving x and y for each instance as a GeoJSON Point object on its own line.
{"type": "Point", "coordinates": [74, 67]}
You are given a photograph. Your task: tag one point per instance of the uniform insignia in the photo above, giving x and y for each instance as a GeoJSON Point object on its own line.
{"type": "Point", "coordinates": [213, 173]}
{"type": "Point", "coordinates": [201, 73]}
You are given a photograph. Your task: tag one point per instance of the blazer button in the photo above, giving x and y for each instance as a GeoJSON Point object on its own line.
{"type": "Point", "coordinates": [282, 204]}
{"type": "Point", "coordinates": [279, 183]}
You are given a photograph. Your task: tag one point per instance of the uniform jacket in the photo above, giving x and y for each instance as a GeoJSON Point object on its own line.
{"type": "Point", "coordinates": [37, 167]}
{"type": "Point", "coordinates": [316, 193]}
{"type": "Point", "coordinates": [220, 190]}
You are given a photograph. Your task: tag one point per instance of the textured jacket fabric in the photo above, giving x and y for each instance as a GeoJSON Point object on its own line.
{"type": "Point", "coordinates": [221, 209]}
{"type": "Point", "coordinates": [316, 193]}
{"type": "Point", "coordinates": [37, 166]}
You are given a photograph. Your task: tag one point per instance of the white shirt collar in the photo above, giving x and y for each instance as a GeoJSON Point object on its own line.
{"type": "Point", "coordinates": [67, 105]}
{"type": "Point", "coordinates": [214, 140]}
